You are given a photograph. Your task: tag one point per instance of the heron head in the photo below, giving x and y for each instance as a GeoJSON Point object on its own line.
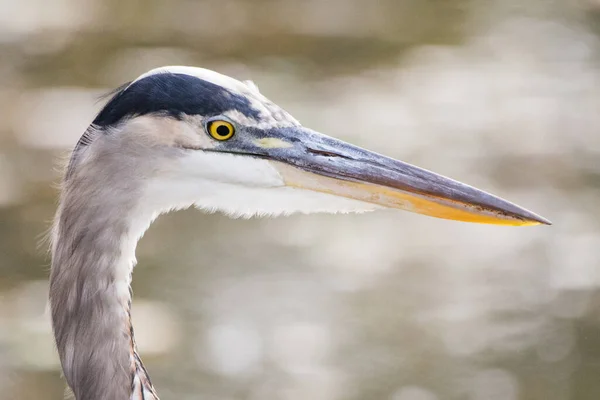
{"type": "Point", "coordinates": [213, 141]}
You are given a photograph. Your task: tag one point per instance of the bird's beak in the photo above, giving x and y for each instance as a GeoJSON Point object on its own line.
{"type": "Point", "coordinates": [309, 160]}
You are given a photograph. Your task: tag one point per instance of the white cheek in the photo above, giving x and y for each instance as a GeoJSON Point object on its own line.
{"type": "Point", "coordinates": [228, 168]}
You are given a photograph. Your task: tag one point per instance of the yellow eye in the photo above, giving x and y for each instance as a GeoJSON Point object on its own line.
{"type": "Point", "coordinates": [220, 130]}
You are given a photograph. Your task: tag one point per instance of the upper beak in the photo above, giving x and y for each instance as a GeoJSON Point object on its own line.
{"type": "Point", "coordinates": [309, 160]}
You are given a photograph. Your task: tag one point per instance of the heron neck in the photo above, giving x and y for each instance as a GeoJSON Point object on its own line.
{"type": "Point", "coordinates": [95, 236]}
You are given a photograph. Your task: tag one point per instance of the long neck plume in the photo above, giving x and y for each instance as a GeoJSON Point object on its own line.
{"type": "Point", "coordinates": [92, 260]}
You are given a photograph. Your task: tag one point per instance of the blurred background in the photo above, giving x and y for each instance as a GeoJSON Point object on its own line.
{"type": "Point", "coordinates": [501, 94]}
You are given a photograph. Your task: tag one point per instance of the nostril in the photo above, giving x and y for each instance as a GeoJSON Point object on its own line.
{"type": "Point", "coordinates": [325, 153]}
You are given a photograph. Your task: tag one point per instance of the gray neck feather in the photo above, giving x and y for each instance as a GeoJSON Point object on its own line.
{"type": "Point", "coordinates": [92, 259]}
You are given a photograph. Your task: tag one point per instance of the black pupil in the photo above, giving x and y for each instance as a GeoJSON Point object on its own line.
{"type": "Point", "coordinates": [222, 130]}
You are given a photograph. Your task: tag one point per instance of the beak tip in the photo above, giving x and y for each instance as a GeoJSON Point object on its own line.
{"type": "Point", "coordinates": [544, 221]}
{"type": "Point", "coordinates": [537, 219]}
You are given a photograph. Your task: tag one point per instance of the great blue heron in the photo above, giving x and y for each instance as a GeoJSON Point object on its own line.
{"type": "Point", "coordinates": [182, 136]}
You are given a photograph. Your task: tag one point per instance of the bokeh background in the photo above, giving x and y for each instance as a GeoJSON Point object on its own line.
{"type": "Point", "coordinates": [501, 94]}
